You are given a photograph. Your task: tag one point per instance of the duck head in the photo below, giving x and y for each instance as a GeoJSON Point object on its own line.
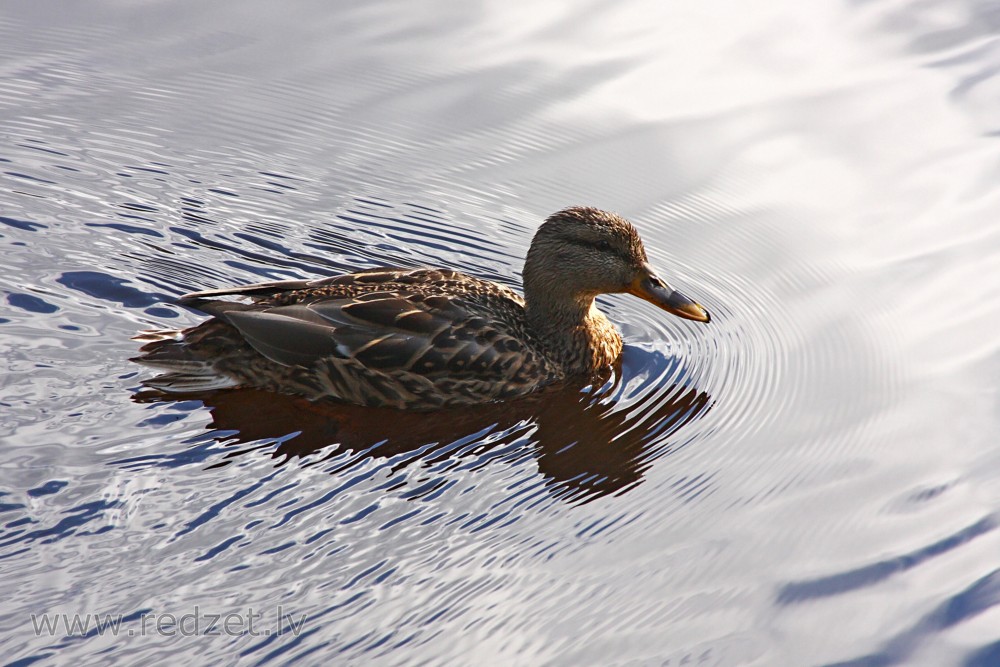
{"type": "Point", "coordinates": [581, 252]}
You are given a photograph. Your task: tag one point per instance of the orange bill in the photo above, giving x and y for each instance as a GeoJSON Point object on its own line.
{"type": "Point", "coordinates": [649, 287]}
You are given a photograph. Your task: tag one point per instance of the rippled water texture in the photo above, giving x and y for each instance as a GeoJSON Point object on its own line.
{"type": "Point", "coordinates": [811, 479]}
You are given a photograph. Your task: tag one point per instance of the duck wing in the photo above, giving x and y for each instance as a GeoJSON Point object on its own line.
{"type": "Point", "coordinates": [349, 283]}
{"type": "Point", "coordinates": [383, 331]}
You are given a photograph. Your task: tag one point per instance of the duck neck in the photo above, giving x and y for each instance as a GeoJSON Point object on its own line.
{"type": "Point", "coordinates": [573, 330]}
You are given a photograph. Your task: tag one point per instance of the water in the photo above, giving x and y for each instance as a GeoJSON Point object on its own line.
{"type": "Point", "coordinates": [811, 479]}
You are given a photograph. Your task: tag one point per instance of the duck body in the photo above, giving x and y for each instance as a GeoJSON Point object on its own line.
{"type": "Point", "coordinates": [412, 338]}
{"type": "Point", "coordinates": [407, 338]}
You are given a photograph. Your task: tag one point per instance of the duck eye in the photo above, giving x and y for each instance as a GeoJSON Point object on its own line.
{"type": "Point", "coordinates": [603, 246]}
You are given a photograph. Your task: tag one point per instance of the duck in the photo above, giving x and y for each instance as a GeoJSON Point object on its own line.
{"type": "Point", "coordinates": [421, 338]}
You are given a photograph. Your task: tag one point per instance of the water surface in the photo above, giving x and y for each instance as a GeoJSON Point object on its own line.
{"type": "Point", "coordinates": [811, 479]}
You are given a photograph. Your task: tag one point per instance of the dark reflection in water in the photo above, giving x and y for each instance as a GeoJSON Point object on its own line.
{"type": "Point", "coordinates": [586, 445]}
{"type": "Point", "coordinates": [981, 596]}
{"type": "Point", "coordinates": [868, 575]}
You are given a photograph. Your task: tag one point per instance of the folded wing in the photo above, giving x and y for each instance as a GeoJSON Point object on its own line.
{"type": "Point", "coordinates": [383, 331]}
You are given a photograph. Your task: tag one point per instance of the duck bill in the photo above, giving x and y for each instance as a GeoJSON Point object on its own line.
{"type": "Point", "coordinates": [649, 287]}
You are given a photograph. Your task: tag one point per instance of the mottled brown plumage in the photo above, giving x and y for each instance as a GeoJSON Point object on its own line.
{"type": "Point", "coordinates": [421, 338]}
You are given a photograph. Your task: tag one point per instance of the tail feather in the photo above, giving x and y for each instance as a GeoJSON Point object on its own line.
{"type": "Point", "coordinates": [156, 335]}
{"type": "Point", "coordinates": [184, 383]}
{"type": "Point", "coordinates": [185, 369]}
{"type": "Point", "coordinates": [192, 366]}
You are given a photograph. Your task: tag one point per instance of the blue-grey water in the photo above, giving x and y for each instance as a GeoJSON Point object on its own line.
{"type": "Point", "coordinates": [812, 479]}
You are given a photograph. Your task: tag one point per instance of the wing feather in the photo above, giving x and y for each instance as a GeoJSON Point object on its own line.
{"type": "Point", "coordinates": [383, 331]}
{"type": "Point", "coordinates": [268, 289]}
{"type": "Point", "coordinates": [283, 338]}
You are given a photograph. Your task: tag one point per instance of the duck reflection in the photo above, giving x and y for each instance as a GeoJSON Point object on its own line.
{"type": "Point", "coordinates": [588, 441]}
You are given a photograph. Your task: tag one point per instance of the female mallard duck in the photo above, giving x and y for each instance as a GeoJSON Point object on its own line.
{"type": "Point", "coordinates": [422, 338]}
